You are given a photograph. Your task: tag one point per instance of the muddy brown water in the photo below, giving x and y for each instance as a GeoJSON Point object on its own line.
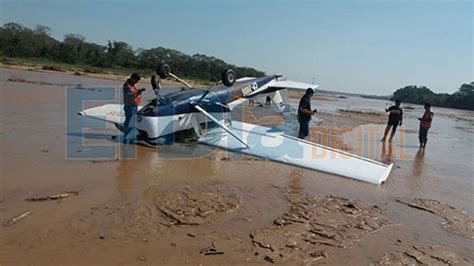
{"type": "Point", "coordinates": [116, 217]}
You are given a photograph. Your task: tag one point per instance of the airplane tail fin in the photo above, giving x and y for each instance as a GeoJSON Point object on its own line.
{"type": "Point", "coordinates": [279, 100]}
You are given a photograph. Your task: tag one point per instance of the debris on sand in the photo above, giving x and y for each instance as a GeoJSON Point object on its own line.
{"type": "Point", "coordinates": [430, 255]}
{"type": "Point", "coordinates": [359, 112]}
{"type": "Point", "coordinates": [457, 221]}
{"type": "Point", "coordinates": [269, 259]}
{"type": "Point", "coordinates": [54, 197]}
{"type": "Point", "coordinates": [53, 68]}
{"type": "Point", "coordinates": [17, 218]}
{"type": "Point", "coordinates": [243, 158]}
{"type": "Point", "coordinates": [38, 82]}
{"type": "Point", "coordinates": [318, 254]}
{"type": "Point", "coordinates": [104, 160]}
{"type": "Point", "coordinates": [80, 87]}
{"type": "Point", "coordinates": [315, 222]}
{"type": "Point", "coordinates": [211, 251]}
{"type": "Point", "coordinates": [193, 208]}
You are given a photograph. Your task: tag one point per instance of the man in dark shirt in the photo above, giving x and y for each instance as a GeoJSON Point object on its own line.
{"type": "Point", "coordinates": [305, 113]}
{"type": "Point", "coordinates": [395, 119]}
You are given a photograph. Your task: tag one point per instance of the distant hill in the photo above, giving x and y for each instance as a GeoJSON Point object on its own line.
{"type": "Point", "coordinates": [17, 41]}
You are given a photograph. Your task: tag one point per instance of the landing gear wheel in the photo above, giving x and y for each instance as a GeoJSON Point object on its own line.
{"type": "Point", "coordinates": [163, 70]}
{"type": "Point", "coordinates": [228, 77]}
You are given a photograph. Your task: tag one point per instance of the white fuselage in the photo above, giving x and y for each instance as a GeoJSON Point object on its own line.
{"type": "Point", "coordinates": [159, 126]}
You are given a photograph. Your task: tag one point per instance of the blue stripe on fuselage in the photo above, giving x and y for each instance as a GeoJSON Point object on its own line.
{"type": "Point", "coordinates": [180, 102]}
{"type": "Point", "coordinates": [264, 80]}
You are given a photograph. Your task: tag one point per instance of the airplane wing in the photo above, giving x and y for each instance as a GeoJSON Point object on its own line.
{"type": "Point", "coordinates": [267, 143]}
{"type": "Point", "coordinates": [288, 84]}
{"type": "Point", "coordinates": [285, 84]}
{"type": "Point", "coordinates": [109, 112]}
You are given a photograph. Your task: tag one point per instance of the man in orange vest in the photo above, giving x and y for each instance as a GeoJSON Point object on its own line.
{"type": "Point", "coordinates": [131, 101]}
{"type": "Point", "coordinates": [425, 124]}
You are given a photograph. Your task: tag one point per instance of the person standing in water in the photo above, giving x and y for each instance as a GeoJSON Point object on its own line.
{"type": "Point", "coordinates": [268, 101]}
{"type": "Point", "coordinates": [131, 101]}
{"type": "Point", "coordinates": [395, 119]}
{"type": "Point", "coordinates": [425, 125]}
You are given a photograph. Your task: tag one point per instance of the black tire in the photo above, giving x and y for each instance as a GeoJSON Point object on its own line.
{"type": "Point", "coordinates": [142, 135]}
{"type": "Point", "coordinates": [228, 77]}
{"type": "Point", "coordinates": [163, 70]}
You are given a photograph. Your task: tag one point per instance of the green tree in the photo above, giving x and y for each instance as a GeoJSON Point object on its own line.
{"type": "Point", "coordinates": [121, 54]}
{"type": "Point", "coordinates": [462, 99]}
{"type": "Point", "coordinates": [19, 41]}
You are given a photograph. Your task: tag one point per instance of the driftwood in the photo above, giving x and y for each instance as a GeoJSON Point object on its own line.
{"type": "Point", "coordinates": [16, 219]}
{"type": "Point", "coordinates": [54, 197]}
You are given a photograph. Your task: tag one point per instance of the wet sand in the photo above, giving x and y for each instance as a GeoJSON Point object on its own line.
{"type": "Point", "coordinates": [221, 208]}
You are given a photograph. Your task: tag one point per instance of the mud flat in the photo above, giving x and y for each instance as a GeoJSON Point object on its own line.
{"type": "Point", "coordinates": [457, 221]}
{"type": "Point", "coordinates": [187, 204]}
{"type": "Point", "coordinates": [315, 223]}
{"type": "Point", "coordinates": [191, 208]}
{"type": "Point", "coordinates": [429, 255]}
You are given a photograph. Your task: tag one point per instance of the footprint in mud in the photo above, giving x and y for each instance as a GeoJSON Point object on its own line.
{"type": "Point", "coordinates": [457, 221]}
{"type": "Point", "coordinates": [194, 208]}
{"type": "Point", "coordinates": [430, 255]}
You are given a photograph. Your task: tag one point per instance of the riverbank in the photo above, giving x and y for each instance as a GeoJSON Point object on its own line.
{"type": "Point", "coordinates": [188, 204]}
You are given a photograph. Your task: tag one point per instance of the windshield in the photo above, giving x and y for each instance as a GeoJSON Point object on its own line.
{"type": "Point", "coordinates": [151, 108]}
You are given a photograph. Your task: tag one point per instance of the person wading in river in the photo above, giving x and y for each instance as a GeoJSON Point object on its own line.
{"type": "Point", "coordinates": [425, 124]}
{"type": "Point", "coordinates": [395, 119]}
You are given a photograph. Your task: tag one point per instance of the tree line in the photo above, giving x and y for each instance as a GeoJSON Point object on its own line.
{"type": "Point", "coordinates": [461, 99]}
{"type": "Point", "coordinates": [19, 41]}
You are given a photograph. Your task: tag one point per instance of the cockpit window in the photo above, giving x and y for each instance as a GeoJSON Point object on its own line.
{"type": "Point", "coordinates": [162, 101]}
{"type": "Point", "coordinates": [151, 109]}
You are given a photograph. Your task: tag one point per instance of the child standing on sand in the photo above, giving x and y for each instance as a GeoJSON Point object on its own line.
{"type": "Point", "coordinates": [425, 124]}
{"type": "Point", "coordinates": [395, 118]}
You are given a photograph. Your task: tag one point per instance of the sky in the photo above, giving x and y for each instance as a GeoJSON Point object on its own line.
{"type": "Point", "coordinates": [370, 47]}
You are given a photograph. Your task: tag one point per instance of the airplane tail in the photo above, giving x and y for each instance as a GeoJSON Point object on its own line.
{"type": "Point", "coordinates": [277, 90]}
{"type": "Point", "coordinates": [280, 100]}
